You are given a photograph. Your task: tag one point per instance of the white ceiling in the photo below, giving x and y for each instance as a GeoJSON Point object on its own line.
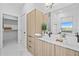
{"type": "Point", "coordinates": [18, 5]}
{"type": "Point", "coordinates": [11, 7]}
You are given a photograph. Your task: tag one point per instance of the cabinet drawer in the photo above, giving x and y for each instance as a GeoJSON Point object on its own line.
{"type": "Point", "coordinates": [31, 48]}
{"type": "Point", "coordinates": [76, 53]}
{"type": "Point", "coordinates": [70, 52]}
{"type": "Point", "coordinates": [30, 41]}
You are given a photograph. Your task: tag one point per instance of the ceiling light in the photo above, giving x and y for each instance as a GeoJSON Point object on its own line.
{"type": "Point", "coordinates": [49, 5]}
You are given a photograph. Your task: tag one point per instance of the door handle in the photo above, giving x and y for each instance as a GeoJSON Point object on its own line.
{"type": "Point", "coordinates": [24, 32]}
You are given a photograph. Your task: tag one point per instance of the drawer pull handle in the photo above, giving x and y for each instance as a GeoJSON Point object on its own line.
{"type": "Point", "coordinates": [29, 41]}
{"type": "Point", "coordinates": [29, 46]}
{"type": "Point", "coordinates": [30, 36]}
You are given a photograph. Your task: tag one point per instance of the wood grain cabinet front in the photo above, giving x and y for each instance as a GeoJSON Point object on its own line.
{"type": "Point", "coordinates": [60, 51]}
{"type": "Point", "coordinates": [47, 47]}
{"type": "Point", "coordinates": [30, 44]}
{"type": "Point", "coordinates": [35, 18]}
{"type": "Point", "coordinates": [52, 50]}
{"type": "Point", "coordinates": [38, 47]}
{"type": "Point", "coordinates": [70, 52]}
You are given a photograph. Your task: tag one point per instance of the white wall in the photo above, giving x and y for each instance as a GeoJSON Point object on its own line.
{"type": "Point", "coordinates": [11, 8]}
{"type": "Point", "coordinates": [30, 6]}
{"type": "Point", "coordinates": [68, 11]}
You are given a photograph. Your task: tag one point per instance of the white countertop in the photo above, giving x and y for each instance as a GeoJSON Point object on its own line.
{"type": "Point", "coordinates": [75, 47]}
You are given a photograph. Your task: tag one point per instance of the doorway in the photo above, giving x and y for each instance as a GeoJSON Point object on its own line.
{"type": "Point", "coordinates": [10, 29]}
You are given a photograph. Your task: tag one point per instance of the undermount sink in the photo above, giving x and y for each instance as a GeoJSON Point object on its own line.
{"type": "Point", "coordinates": [54, 37]}
{"type": "Point", "coordinates": [70, 40]}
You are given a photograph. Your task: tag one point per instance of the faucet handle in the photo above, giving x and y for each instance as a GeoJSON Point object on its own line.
{"type": "Point", "coordinates": [51, 33]}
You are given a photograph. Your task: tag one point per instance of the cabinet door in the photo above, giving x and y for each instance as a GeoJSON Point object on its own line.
{"type": "Point", "coordinates": [76, 53]}
{"type": "Point", "coordinates": [30, 44]}
{"type": "Point", "coordinates": [46, 48]}
{"type": "Point", "coordinates": [60, 51]}
{"type": "Point", "coordinates": [38, 47]}
{"type": "Point", "coordinates": [39, 21]}
{"type": "Point", "coordinates": [70, 52]}
{"type": "Point", "coordinates": [52, 50]}
{"type": "Point", "coordinates": [28, 24]}
{"type": "Point", "coordinates": [32, 23]}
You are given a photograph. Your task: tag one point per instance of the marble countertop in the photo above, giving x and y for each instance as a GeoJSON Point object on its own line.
{"type": "Point", "coordinates": [75, 47]}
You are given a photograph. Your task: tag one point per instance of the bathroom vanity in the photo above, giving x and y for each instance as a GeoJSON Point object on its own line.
{"type": "Point", "coordinates": [50, 47]}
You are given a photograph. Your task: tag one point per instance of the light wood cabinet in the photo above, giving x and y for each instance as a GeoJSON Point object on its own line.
{"type": "Point", "coordinates": [76, 53]}
{"type": "Point", "coordinates": [34, 22]}
{"type": "Point", "coordinates": [38, 47]}
{"type": "Point", "coordinates": [46, 47]}
{"type": "Point", "coordinates": [52, 50]}
{"type": "Point", "coordinates": [70, 52]}
{"type": "Point", "coordinates": [30, 45]}
{"type": "Point", "coordinates": [31, 23]}
{"type": "Point", "coordinates": [28, 24]}
{"type": "Point", "coordinates": [39, 21]}
{"type": "Point", "coordinates": [60, 51]}
{"type": "Point", "coordinates": [43, 48]}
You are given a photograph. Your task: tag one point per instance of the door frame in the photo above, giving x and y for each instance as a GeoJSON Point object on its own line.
{"type": "Point", "coordinates": [2, 26]}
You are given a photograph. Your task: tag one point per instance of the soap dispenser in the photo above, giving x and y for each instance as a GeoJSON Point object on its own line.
{"type": "Point", "coordinates": [77, 35]}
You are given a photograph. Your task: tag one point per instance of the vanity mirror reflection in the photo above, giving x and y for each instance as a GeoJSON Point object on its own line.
{"type": "Point", "coordinates": [67, 30]}
{"type": "Point", "coordinates": [67, 25]}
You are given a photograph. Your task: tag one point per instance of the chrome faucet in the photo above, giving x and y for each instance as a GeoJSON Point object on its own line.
{"type": "Point", "coordinates": [49, 34]}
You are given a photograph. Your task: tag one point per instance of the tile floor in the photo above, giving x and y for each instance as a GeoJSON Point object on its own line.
{"type": "Point", "coordinates": [14, 49]}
